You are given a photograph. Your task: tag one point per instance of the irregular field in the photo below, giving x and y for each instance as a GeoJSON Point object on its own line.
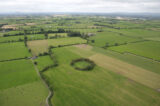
{"type": "Point", "coordinates": [111, 38]}
{"type": "Point", "coordinates": [13, 51]}
{"type": "Point", "coordinates": [43, 62]}
{"type": "Point", "coordinates": [97, 87]}
{"type": "Point", "coordinates": [20, 85]}
{"type": "Point", "coordinates": [148, 49]}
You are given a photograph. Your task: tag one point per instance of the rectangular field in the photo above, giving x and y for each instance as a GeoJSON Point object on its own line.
{"type": "Point", "coordinates": [66, 41]}
{"type": "Point", "coordinates": [149, 49]}
{"type": "Point", "coordinates": [13, 51]}
{"type": "Point", "coordinates": [111, 38]}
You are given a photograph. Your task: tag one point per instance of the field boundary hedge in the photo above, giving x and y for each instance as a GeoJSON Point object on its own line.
{"type": "Point", "coordinates": [14, 59]}
{"type": "Point", "coordinates": [87, 68]}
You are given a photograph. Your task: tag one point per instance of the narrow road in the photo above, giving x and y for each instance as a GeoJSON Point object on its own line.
{"type": "Point", "coordinates": [37, 70]}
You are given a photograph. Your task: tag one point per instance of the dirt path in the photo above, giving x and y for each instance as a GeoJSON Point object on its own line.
{"type": "Point", "coordinates": [49, 95]}
{"type": "Point", "coordinates": [130, 71]}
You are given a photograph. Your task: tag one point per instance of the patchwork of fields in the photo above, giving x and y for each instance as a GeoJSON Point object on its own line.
{"type": "Point", "coordinates": [149, 49]}
{"type": "Point", "coordinates": [36, 61]}
{"type": "Point", "coordinates": [101, 83]}
{"type": "Point", "coordinates": [41, 46]}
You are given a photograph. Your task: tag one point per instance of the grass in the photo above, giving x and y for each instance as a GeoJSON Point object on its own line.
{"type": "Point", "coordinates": [11, 38]}
{"type": "Point", "coordinates": [13, 51]}
{"type": "Point", "coordinates": [20, 84]}
{"type": "Point", "coordinates": [66, 41]}
{"type": "Point", "coordinates": [36, 36]}
{"type": "Point", "coordinates": [58, 34]}
{"type": "Point", "coordinates": [97, 87]}
{"type": "Point", "coordinates": [137, 33]}
{"type": "Point", "coordinates": [13, 75]}
{"type": "Point", "coordinates": [43, 61]}
{"type": "Point", "coordinates": [81, 64]}
{"type": "Point", "coordinates": [41, 46]}
{"type": "Point", "coordinates": [149, 49]}
{"type": "Point", "coordinates": [111, 38]}
{"type": "Point", "coordinates": [38, 46]}
{"type": "Point", "coordinates": [139, 61]}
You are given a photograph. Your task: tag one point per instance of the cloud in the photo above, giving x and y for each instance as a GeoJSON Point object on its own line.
{"type": "Point", "coordinates": [103, 6]}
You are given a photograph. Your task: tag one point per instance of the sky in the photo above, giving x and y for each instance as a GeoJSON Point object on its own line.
{"type": "Point", "coordinates": [86, 6]}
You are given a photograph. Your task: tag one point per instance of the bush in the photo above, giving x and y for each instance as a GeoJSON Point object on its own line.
{"type": "Point", "coordinates": [35, 63]}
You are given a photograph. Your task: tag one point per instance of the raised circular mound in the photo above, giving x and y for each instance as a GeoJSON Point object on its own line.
{"type": "Point", "coordinates": [83, 64]}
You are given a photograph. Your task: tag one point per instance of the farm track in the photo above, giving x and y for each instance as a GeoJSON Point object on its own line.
{"type": "Point", "coordinates": [50, 93]}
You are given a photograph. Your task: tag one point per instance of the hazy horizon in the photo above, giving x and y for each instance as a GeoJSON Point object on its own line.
{"type": "Point", "coordinates": [80, 6]}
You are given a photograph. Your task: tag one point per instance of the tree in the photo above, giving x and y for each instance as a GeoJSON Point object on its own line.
{"type": "Point", "coordinates": [74, 34]}
{"type": "Point", "coordinates": [106, 45]}
{"type": "Point", "coordinates": [92, 41]}
{"type": "Point", "coordinates": [35, 63]}
{"type": "Point", "coordinates": [46, 35]}
{"type": "Point", "coordinates": [25, 38]}
{"type": "Point", "coordinates": [25, 32]}
{"type": "Point", "coordinates": [116, 44]}
{"type": "Point", "coordinates": [42, 30]}
{"type": "Point", "coordinates": [61, 30]}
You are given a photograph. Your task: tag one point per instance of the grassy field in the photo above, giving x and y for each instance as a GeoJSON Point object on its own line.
{"type": "Point", "coordinates": [97, 87]}
{"type": "Point", "coordinates": [35, 36]}
{"type": "Point", "coordinates": [22, 82]}
{"type": "Point", "coordinates": [41, 46]}
{"type": "Point", "coordinates": [13, 51]}
{"type": "Point", "coordinates": [11, 38]}
{"type": "Point", "coordinates": [38, 46]}
{"type": "Point", "coordinates": [149, 49]}
{"type": "Point", "coordinates": [137, 33]}
{"type": "Point", "coordinates": [66, 41]}
{"type": "Point", "coordinates": [124, 50]}
{"type": "Point", "coordinates": [57, 34]}
{"type": "Point", "coordinates": [111, 39]}
{"type": "Point", "coordinates": [43, 61]}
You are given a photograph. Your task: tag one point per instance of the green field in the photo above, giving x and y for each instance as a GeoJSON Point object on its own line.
{"type": "Point", "coordinates": [41, 46]}
{"type": "Point", "coordinates": [43, 62]}
{"type": "Point", "coordinates": [66, 41]}
{"type": "Point", "coordinates": [149, 49]}
{"type": "Point", "coordinates": [94, 87]}
{"type": "Point", "coordinates": [11, 38]}
{"type": "Point", "coordinates": [57, 35]}
{"type": "Point", "coordinates": [100, 39]}
{"type": "Point", "coordinates": [137, 33]}
{"type": "Point", "coordinates": [19, 79]}
{"type": "Point", "coordinates": [13, 51]}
